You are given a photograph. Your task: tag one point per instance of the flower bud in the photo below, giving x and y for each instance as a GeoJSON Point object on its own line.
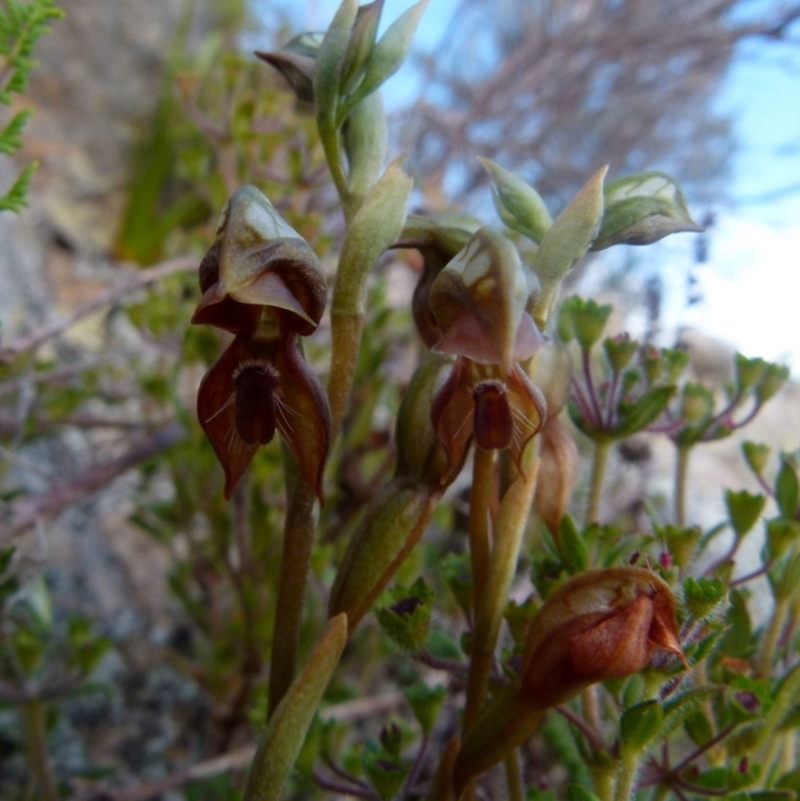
{"type": "Point", "coordinates": [420, 454]}
{"type": "Point", "coordinates": [519, 205]}
{"type": "Point", "coordinates": [558, 474]}
{"type": "Point", "coordinates": [619, 351]}
{"type": "Point", "coordinates": [395, 520]}
{"type": "Point", "coordinates": [601, 624]}
{"type": "Point", "coordinates": [295, 61]}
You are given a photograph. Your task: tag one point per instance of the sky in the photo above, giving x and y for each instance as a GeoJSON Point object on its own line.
{"type": "Point", "coordinates": [749, 289]}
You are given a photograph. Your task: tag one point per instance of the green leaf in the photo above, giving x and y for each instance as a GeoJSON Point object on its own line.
{"type": "Point", "coordinates": [565, 242]}
{"type": "Point", "coordinates": [283, 738]}
{"type": "Point", "coordinates": [782, 533]}
{"type": "Point", "coordinates": [386, 772]}
{"type": "Point", "coordinates": [425, 703]}
{"type": "Point", "coordinates": [6, 555]}
{"type": "Point", "coordinates": [640, 724]}
{"type": "Point", "coordinates": [387, 56]}
{"type": "Point", "coordinates": [360, 44]}
{"type": "Point", "coordinates": [703, 595]}
{"type": "Point", "coordinates": [641, 209]}
{"type": "Point", "coordinates": [698, 728]}
{"type": "Point", "coordinates": [11, 135]}
{"type": "Point", "coordinates": [744, 510]}
{"type": "Point", "coordinates": [756, 456]}
{"type": "Point", "coordinates": [642, 412]}
{"type": "Point", "coordinates": [375, 227]}
{"type": "Point", "coordinates": [519, 205]}
{"type": "Point", "coordinates": [573, 547]}
{"type": "Point", "coordinates": [576, 792]}
{"type": "Point", "coordinates": [407, 618]}
{"type": "Point", "coordinates": [787, 489]}
{"type": "Point", "coordinates": [678, 709]}
{"type": "Point", "coordinates": [738, 639]}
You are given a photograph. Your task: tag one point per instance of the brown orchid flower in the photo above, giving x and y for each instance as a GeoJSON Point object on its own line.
{"type": "Point", "coordinates": [479, 304]}
{"type": "Point", "coordinates": [260, 386]}
{"type": "Point", "coordinates": [262, 282]}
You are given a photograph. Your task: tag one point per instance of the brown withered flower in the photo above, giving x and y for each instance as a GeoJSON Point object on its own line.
{"type": "Point", "coordinates": [601, 624]}
{"type": "Point", "coordinates": [262, 282]}
{"type": "Point", "coordinates": [479, 303]}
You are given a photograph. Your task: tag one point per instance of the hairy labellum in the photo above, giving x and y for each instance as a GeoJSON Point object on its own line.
{"type": "Point", "coordinates": [255, 403]}
{"type": "Point", "coordinates": [493, 424]}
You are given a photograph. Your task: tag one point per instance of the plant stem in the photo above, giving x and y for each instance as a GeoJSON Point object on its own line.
{"type": "Point", "coordinates": [510, 526]}
{"type": "Point", "coordinates": [34, 713]}
{"type": "Point", "coordinates": [516, 787]}
{"type": "Point", "coordinates": [345, 343]}
{"type": "Point", "coordinates": [773, 635]}
{"type": "Point", "coordinates": [681, 477]}
{"type": "Point", "coordinates": [626, 779]}
{"type": "Point", "coordinates": [298, 536]}
{"type": "Point", "coordinates": [480, 521]}
{"type": "Point", "coordinates": [599, 464]}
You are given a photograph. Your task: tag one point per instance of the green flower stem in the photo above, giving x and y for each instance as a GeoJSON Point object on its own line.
{"type": "Point", "coordinates": [480, 520]}
{"type": "Point", "coordinates": [346, 341]}
{"type": "Point", "coordinates": [773, 635]}
{"type": "Point", "coordinates": [509, 529]}
{"type": "Point", "coordinates": [516, 787]}
{"type": "Point", "coordinates": [298, 537]}
{"type": "Point", "coordinates": [604, 782]}
{"type": "Point", "coordinates": [34, 716]}
{"type": "Point", "coordinates": [628, 770]}
{"type": "Point", "coordinates": [681, 479]}
{"type": "Point", "coordinates": [599, 464]}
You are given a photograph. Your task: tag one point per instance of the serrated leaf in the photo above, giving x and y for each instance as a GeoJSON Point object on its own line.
{"type": "Point", "coordinates": [702, 595]}
{"type": "Point", "coordinates": [678, 709]}
{"type": "Point", "coordinates": [574, 553]}
{"type": "Point", "coordinates": [744, 510]}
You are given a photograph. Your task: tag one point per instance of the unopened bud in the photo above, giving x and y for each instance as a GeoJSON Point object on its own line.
{"type": "Point", "coordinates": [558, 474]}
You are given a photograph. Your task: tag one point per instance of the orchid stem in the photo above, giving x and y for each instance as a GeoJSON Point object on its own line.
{"type": "Point", "coordinates": [298, 537]}
{"type": "Point", "coordinates": [34, 714]}
{"type": "Point", "coordinates": [510, 524]}
{"type": "Point", "coordinates": [516, 787]}
{"type": "Point", "coordinates": [480, 521]}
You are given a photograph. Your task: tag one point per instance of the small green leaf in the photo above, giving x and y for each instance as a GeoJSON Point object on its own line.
{"type": "Point", "coordinates": [738, 639]}
{"type": "Point", "coordinates": [756, 456]}
{"type": "Point", "coordinates": [744, 510]}
{"type": "Point", "coordinates": [787, 489]}
{"type": "Point", "coordinates": [577, 792]}
{"type": "Point", "coordinates": [703, 595]}
{"type": "Point", "coordinates": [386, 772]}
{"type": "Point", "coordinates": [519, 205]}
{"type": "Point", "coordinates": [640, 724]}
{"type": "Point", "coordinates": [641, 209]}
{"type": "Point", "coordinates": [748, 371]}
{"type": "Point", "coordinates": [425, 703]}
{"type": "Point", "coordinates": [642, 412]}
{"type": "Point", "coordinates": [782, 533]}
{"type": "Point", "coordinates": [573, 548]}
{"type": "Point", "coordinates": [407, 618]}
{"type": "Point", "coordinates": [698, 728]}
{"type": "Point", "coordinates": [565, 242]}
